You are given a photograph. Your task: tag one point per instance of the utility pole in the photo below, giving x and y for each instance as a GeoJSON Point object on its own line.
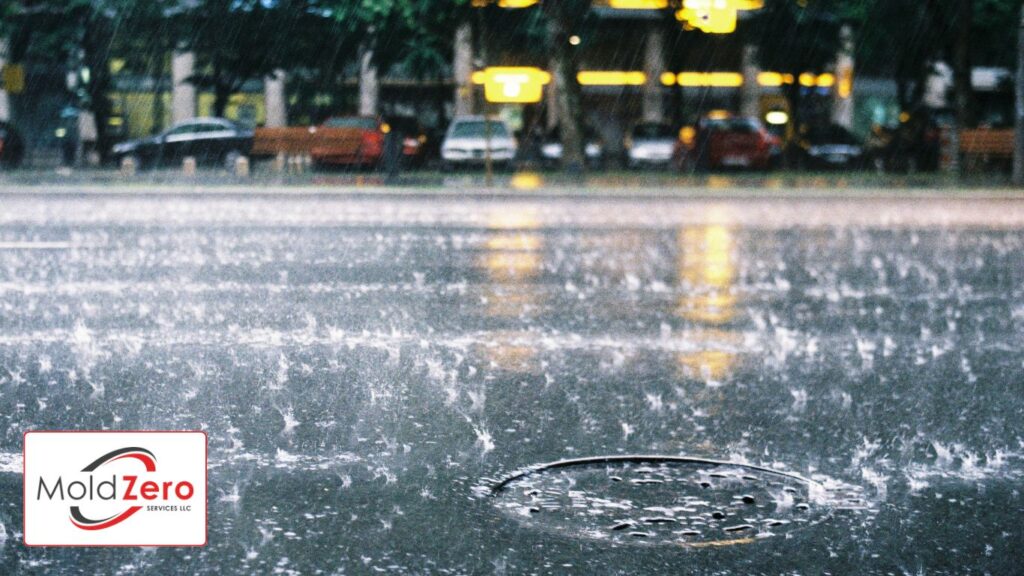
{"type": "Point", "coordinates": [1018, 149]}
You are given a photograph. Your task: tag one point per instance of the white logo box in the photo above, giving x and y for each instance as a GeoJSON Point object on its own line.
{"type": "Point", "coordinates": [115, 488]}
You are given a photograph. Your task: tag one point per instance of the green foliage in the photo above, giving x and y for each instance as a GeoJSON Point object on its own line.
{"type": "Point", "coordinates": [795, 37]}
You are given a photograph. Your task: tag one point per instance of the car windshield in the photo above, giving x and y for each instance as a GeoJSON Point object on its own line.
{"type": "Point", "coordinates": [352, 122]}
{"type": "Point", "coordinates": [734, 125]}
{"type": "Point", "coordinates": [653, 132]}
{"type": "Point", "coordinates": [404, 125]}
{"type": "Point", "coordinates": [478, 129]}
{"type": "Point", "coordinates": [555, 134]}
{"type": "Point", "coordinates": [832, 135]}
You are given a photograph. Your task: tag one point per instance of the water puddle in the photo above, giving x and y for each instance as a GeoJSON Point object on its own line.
{"type": "Point", "coordinates": [681, 501]}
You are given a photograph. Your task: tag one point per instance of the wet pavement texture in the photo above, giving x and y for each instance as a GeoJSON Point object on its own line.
{"type": "Point", "coordinates": [378, 376]}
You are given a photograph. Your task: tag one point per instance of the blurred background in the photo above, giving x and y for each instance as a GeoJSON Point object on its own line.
{"type": "Point", "coordinates": [888, 85]}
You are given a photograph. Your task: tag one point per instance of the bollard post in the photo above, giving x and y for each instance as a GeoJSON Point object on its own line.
{"type": "Point", "coordinates": [128, 167]}
{"type": "Point", "coordinates": [188, 166]}
{"type": "Point", "coordinates": [242, 167]}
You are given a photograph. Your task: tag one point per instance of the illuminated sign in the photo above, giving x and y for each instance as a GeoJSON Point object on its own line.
{"type": "Point", "coordinates": [714, 16]}
{"type": "Point", "coordinates": [807, 79]}
{"type": "Point", "coordinates": [637, 4]}
{"type": "Point", "coordinates": [512, 84]}
{"type": "Point", "coordinates": [711, 79]}
{"type": "Point", "coordinates": [504, 3]}
{"type": "Point", "coordinates": [611, 78]}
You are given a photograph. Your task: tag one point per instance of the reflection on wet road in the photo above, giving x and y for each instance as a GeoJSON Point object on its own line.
{"type": "Point", "coordinates": [364, 366]}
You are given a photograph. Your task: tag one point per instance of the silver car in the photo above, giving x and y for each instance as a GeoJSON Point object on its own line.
{"type": "Point", "coordinates": [467, 142]}
{"type": "Point", "coordinates": [650, 144]}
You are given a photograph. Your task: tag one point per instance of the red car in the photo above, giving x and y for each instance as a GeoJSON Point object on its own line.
{"type": "Point", "coordinates": [353, 141]}
{"type": "Point", "coordinates": [730, 142]}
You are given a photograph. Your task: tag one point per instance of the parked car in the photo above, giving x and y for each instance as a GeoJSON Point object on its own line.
{"type": "Point", "coordinates": [649, 144]}
{"type": "Point", "coordinates": [416, 143]}
{"type": "Point", "coordinates": [551, 148]}
{"type": "Point", "coordinates": [466, 142]}
{"type": "Point", "coordinates": [208, 140]}
{"type": "Point", "coordinates": [364, 149]}
{"type": "Point", "coordinates": [12, 147]}
{"type": "Point", "coordinates": [730, 142]}
{"type": "Point", "coordinates": [827, 147]}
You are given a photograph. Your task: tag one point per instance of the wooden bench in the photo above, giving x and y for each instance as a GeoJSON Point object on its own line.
{"type": "Point", "coordinates": [302, 140]}
{"type": "Point", "coordinates": [987, 148]}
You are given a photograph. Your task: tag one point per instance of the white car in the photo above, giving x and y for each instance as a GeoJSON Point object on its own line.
{"type": "Point", "coordinates": [465, 143]}
{"type": "Point", "coordinates": [650, 144]}
{"type": "Point", "coordinates": [551, 149]}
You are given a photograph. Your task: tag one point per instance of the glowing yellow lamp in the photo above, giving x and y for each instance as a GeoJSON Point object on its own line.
{"type": "Point", "coordinates": [710, 16]}
{"type": "Point", "coordinates": [826, 80]}
{"type": "Point", "coordinates": [512, 84]}
{"type": "Point", "coordinates": [715, 16]}
{"type": "Point", "coordinates": [638, 4]}
{"type": "Point", "coordinates": [611, 78]}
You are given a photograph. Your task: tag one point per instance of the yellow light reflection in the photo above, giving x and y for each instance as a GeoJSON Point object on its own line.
{"type": "Point", "coordinates": [826, 81]}
{"type": "Point", "coordinates": [707, 274]}
{"type": "Point", "coordinates": [504, 3]}
{"type": "Point", "coordinates": [511, 267]}
{"type": "Point", "coordinates": [510, 350]}
{"type": "Point", "coordinates": [527, 181]}
{"type": "Point", "coordinates": [514, 241]}
{"type": "Point", "coordinates": [638, 4]}
{"type": "Point", "coordinates": [512, 258]}
{"type": "Point", "coordinates": [769, 79]}
{"type": "Point", "coordinates": [712, 79]}
{"type": "Point", "coordinates": [845, 89]}
{"type": "Point", "coordinates": [688, 135]}
{"type": "Point", "coordinates": [611, 78]}
{"type": "Point", "coordinates": [713, 364]}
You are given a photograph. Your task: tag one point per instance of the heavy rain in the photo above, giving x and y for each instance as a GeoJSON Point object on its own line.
{"type": "Point", "coordinates": [716, 287]}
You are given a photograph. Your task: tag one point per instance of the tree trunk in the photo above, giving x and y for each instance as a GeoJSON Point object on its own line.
{"type": "Point", "coordinates": [220, 100]}
{"type": "Point", "coordinates": [962, 63]}
{"type": "Point", "coordinates": [962, 74]}
{"type": "Point", "coordinates": [157, 74]}
{"type": "Point", "coordinates": [95, 52]}
{"type": "Point", "coordinates": [1018, 151]}
{"type": "Point", "coordinates": [568, 96]}
{"type": "Point", "coordinates": [221, 92]}
{"type": "Point", "coordinates": [796, 121]}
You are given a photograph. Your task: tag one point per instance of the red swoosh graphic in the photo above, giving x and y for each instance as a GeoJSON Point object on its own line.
{"type": "Point", "coordinates": [113, 521]}
{"type": "Point", "coordinates": [145, 459]}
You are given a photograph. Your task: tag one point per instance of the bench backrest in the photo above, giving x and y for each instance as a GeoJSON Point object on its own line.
{"type": "Point", "coordinates": [994, 142]}
{"type": "Point", "coordinates": [302, 140]}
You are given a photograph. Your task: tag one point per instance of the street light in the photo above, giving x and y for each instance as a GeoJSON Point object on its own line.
{"type": "Point", "coordinates": [508, 85]}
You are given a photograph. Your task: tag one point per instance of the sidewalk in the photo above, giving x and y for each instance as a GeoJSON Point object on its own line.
{"type": "Point", "coordinates": [603, 184]}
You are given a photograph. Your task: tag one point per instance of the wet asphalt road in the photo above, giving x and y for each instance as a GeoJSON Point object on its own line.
{"type": "Point", "coordinates": [365, 368]}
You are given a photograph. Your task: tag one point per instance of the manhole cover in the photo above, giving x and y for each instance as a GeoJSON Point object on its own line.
{"type": "Point", "coordinates": [662, 500]}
